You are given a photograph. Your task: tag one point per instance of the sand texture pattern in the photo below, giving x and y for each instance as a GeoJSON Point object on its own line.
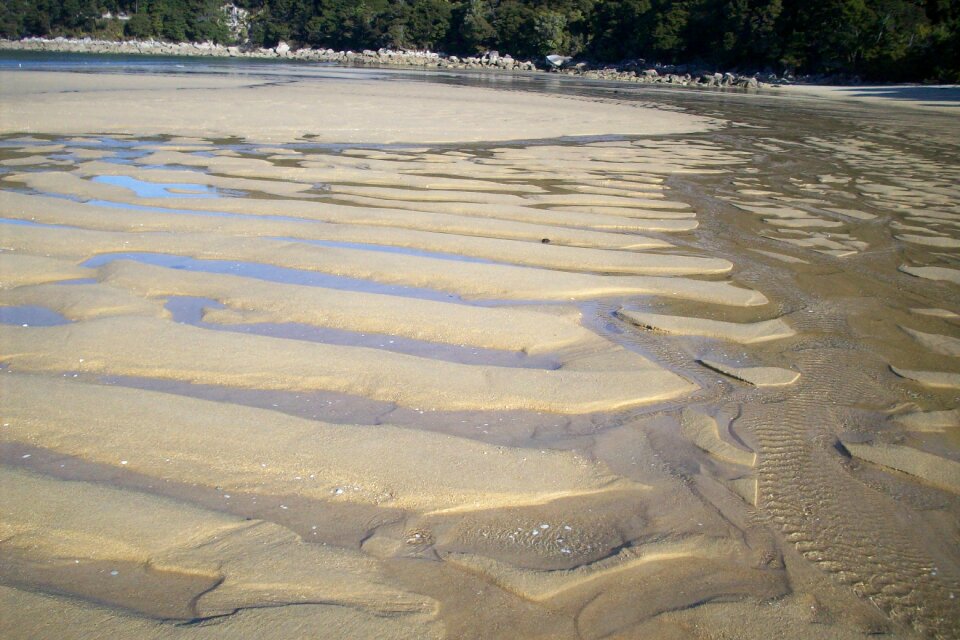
{"type": "Point", "coordinates": [291, 351]}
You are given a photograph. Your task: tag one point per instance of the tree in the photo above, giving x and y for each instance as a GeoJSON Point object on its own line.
{"type": "Point", "coordinates": [476, 32]}
{"type": "Point", "coordinates": [879, 39]}
{"type": "Point", "coordinates": [618, 29]}
{"type": "Point", "coordinates": [827, 36]}
{"type": "Point", "coordinates": [747, 34]}
{"type": "Point", "coordinates": [139, 26]}
{"type": "Point", "coordinates": [668, 38]}
{"type": "Point", "coordinates": [551, 30]}
{"type": "Point", "coordinates": [428, 23]}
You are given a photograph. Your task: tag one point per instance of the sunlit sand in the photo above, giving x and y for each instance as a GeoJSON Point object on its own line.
{"type": "Point", "coordinates": [394, 358]}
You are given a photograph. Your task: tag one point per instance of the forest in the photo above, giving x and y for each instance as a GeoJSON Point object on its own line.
{"type": "Point", "coordinates": [893, 40]}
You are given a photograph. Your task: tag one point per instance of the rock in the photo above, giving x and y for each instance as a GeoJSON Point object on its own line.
{"type": "Point", "coordinates": [282, 49]}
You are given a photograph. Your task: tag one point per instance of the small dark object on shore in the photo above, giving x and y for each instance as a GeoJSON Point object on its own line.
{"type": "Point", "coordinates": [545, 241]}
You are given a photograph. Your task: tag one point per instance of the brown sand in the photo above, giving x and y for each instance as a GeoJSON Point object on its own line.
{"type": "Point", "coordinates": [288, 111]}
{"type": "Point", "coordinates": [513, 457]}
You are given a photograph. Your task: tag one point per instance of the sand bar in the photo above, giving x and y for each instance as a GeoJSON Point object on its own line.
{"type": "Point", "coordinates": [307, 221]}
{"type": "Point", "coordinates": [17, 270]}
{"type": "Point", "coordinates": [744, 333]}
{"type": "Point", "coordinates": [937, 470]}
{"type": "Point", "coordinates": [757, 376]}
{"type": "Point", "coordinates": [930, 420]}
{"type": "Point", "coordinates": [466, 279]}
{"type": "Point", "coordinates": [945, 274]}
{"type": "Point", "coordinates": [158, 348]}
{"type": "Point", "coordinates": [944, 345]}
{"type": "Point", "coordinates": [537, 253]}
{"type": "Point", "coordinates": [294, 108]}
{"type": "Point", "coordinates": [936, 379]}
{"type": "Point", "coordinates": [529, 331]}
{"type": "Point", "coordinates": [267, 452]}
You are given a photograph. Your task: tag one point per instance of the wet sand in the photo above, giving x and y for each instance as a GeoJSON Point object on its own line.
{"type": "Point", "coordinates": [942, 98]}
{"type": "Point", "coordinates": [403, 359]}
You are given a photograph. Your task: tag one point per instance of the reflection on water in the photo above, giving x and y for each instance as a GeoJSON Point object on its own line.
{"type": "Point", "coordinates": [33, 223]}
{"type": "Point", "coordinates": [144, 189]}
{"type": "Point", "coordinates": [272, 273]}
{"type": "Point", "coordinates": [31, 316]}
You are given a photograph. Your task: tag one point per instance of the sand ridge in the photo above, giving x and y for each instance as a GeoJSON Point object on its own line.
{"type": "Point", "coordinates": [389, 384]}
{"type": "Point", "coordinates": [467, 279]}
{"type": "Point", "coordinates": [294, 218]}
{"type": "Point", "coordinates": [748, 333]}
{"type": "Point", "coordinates": [113, 425]}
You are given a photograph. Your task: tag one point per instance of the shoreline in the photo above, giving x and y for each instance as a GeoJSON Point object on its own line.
{"type": "Point", "coordinates": [633, 71]}
{"type": "Point", "coordinates": [941, 98]}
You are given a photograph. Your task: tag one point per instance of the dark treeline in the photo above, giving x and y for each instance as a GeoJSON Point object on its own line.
{"type": "Point", "coordinates": [875, 39]}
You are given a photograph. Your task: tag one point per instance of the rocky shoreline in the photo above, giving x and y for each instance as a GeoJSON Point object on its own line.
{"type": "Point", "coordinates": [631, 71]}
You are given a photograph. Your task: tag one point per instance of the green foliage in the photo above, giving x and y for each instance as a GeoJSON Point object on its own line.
{"type": "Point", "coordinates": [876, 39]}
{"type": "Point", "coordinates": [177, 20]}
{"type": "Point", "coordinates": [139, 26]}
{"type": "Point", "coordinates": [476, 33]}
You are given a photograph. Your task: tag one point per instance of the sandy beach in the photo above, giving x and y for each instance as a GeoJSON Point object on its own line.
{"type": "Point", "coordinates": [292, 110]}
{"type": "Point", "coordinates": [348, 356]}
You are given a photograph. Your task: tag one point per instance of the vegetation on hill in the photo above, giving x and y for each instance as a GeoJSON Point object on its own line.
{"type": "Point", "coordinates": [876, 39]}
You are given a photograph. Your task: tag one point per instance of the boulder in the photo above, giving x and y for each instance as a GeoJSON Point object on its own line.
{"type": "Point", "coordinates": [557, 61]}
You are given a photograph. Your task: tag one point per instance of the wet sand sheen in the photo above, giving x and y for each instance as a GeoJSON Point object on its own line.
{"type": "Point", "coordinates": [746, 427]}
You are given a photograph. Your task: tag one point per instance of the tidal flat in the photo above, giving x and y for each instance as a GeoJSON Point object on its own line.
{"type": "Point", "coordinates": [302, 352]}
